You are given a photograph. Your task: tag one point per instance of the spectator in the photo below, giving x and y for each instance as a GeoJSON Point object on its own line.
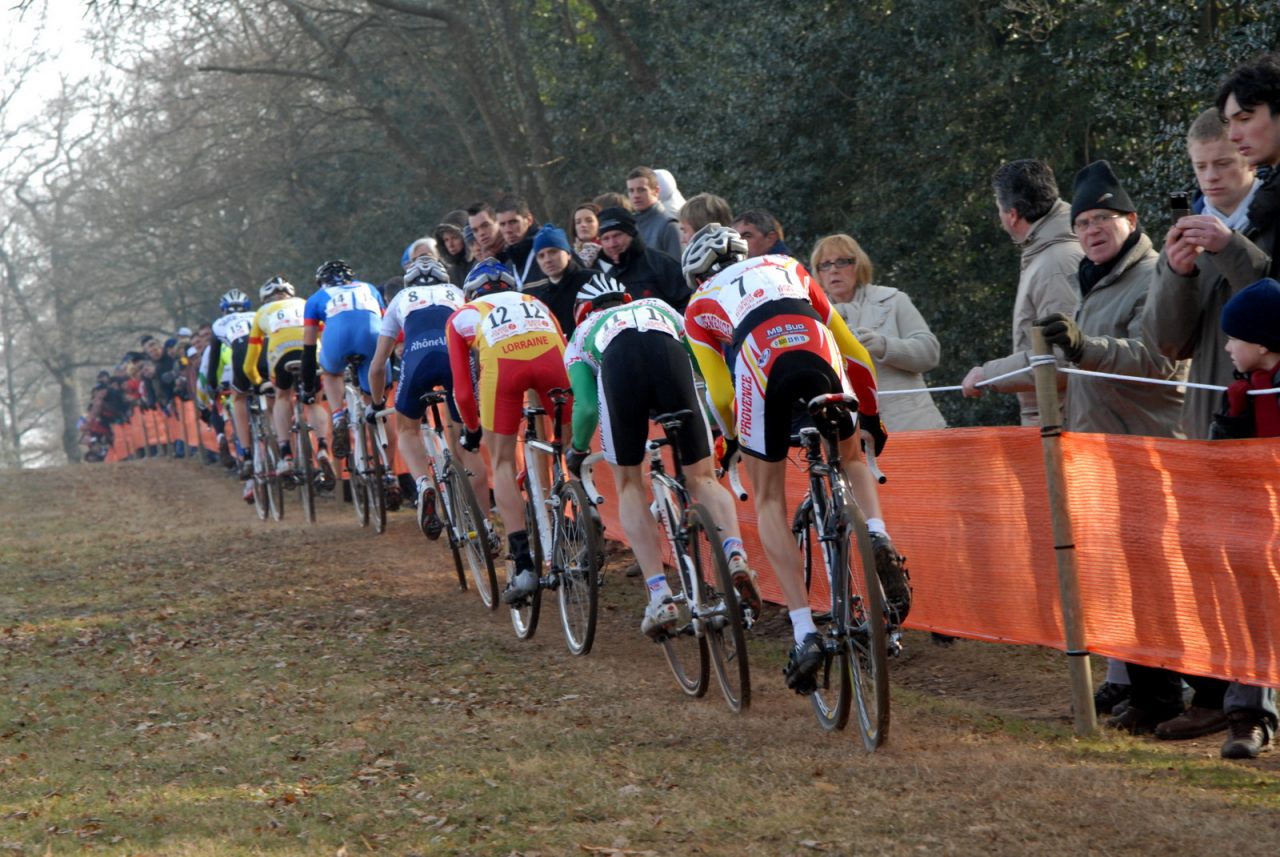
{"type": "Point", "coordinates": [564, 275]}
{"type": "Point", "coordinates": [425, 246]}
{"type": "Point", "coordinates": [586, 233]}
{"type": "Point", "coordinates": [515, 222]}
{"type": "Point", "coordinates": [762, 232]}
{"type": "Point", "coordinates": [613, 199]}
{"type": "Point", "coordinates": [484, 226]}
{"type": "Point", "coordinates": [700, 210]}
{"type": "Point", "coordinates": [1040, 225]}
{"type": "Point", "coordinates": [670, 196]}
{"type": "Point", "coordinates": [643, 271]}
{"type": "Point", "coordinates": [451, 246]}
{"type": "Point", "coordinates": [888, 325]}
{"type": "Point", "coordinates": [656, 225]}
{"type": "Point", "coordinates": [1108, 335]}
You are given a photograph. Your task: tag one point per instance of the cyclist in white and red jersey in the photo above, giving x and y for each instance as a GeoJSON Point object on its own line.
{"type": "Point", "coordinates": [786, 344]}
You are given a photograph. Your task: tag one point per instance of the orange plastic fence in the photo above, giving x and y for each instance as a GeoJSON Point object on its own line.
{"type": "Point", "coordinates": [1177, 543]}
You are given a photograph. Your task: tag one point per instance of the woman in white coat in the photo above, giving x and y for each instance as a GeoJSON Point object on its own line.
{"type": "Point", "coordinates": [888, 325]}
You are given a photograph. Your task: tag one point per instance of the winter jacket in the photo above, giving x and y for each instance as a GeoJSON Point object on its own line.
{"type": "Point", "coordinates": [560, 297]}
{"type": "Point", "coordinates": [1047, 284]}
{"type": "Point", "coordinates": [648, 273]}
{"type": "Point", "coordinates": [659, 229]}
{"type": "Point", "coordinates": [903, 349]}
{"type": "Point", "coordinates": [1112, 318]}
{"type": "Point", "coordinates": [456, 264]}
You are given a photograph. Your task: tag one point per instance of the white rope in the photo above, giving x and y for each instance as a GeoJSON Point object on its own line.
{"type": "Point", "coordinates": [957, 388]}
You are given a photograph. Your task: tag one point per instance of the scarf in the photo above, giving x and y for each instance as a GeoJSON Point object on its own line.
{"type": "Point", "coordinates": [1238, 219]}
{"type": "Point", "coordinates": [1091, 274]}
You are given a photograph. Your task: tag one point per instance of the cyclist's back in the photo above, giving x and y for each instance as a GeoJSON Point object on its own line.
{"type": "Point", "coordinates": [350, 314]}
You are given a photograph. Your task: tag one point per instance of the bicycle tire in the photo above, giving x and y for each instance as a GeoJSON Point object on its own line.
{"type": "Point", "coordinates": [274, 484]}
{"type": "Point", "coordinates": [359, 491]}
{"type": "Point", "coordinates": [473, 537]}
{"type": "Point", "coordinates": [866, 646]}
{"type": "Point", "coordinates": [524, 615]}
{"type": "Point", "coordinates": [261, 500]}
{"type": "Point", "coordinates": [685, 649]}
{"type": "Point", "coordinates": [575, 562]}
{"type": "Point", "coordinates": [304, 457]}
{"type": "Point", "coordinates": [444, 509]}
{"type": "Point", "coordinates": [834, 695]}
{"type": "Point", "coordinates": [719, 609]}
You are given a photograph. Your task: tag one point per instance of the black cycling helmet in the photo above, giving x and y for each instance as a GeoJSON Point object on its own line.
{"type": "Point", "coordinates": [334, 273]}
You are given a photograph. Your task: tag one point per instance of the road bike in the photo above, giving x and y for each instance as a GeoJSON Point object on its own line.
{"type": "Point", "coordinates": [268, 485]}
{"type": "Point", "coordinates": [564, 519]}
{"type": "Point", "coordinates": [309, 475]}
{"type": "Point", "coordinates": [456, 503]}
{"type": "Point", "coordinates": [854, 675]}
{"type": "Point", "coordinates": [374, 489]}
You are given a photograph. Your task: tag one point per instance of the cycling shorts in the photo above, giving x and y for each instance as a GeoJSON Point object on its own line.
{"type": "Point", "coordinates": [782, 364]}
{"type": "Point", "coordinates": [342, 341]}
{"type": "Point", "coordinates": [239, 380]}
{"type": "Point", "coordinates": [420, 376]}
{"type": "Point", "coordinates": [504, 381]}
{"type": "Point", "coordinates": [644, 374]}
{"type": "Point", "coordinates": [282, 377]}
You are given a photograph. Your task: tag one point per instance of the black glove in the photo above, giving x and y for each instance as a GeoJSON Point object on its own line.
{"type": "Point", "coordinates": [309, 367]}
{"type": "Point", "coordinates": [573, 460]}
{"type": "Point", "coordinates": [731, 447]}
{"type": "Point", "coordinates": [874, 426]}
{"type": "Point", "coordinates": [471, 439]}
{"type": "Point", "coordinates": [371, 415]}
{"type": "Point", "coordinates": [1064, 333]}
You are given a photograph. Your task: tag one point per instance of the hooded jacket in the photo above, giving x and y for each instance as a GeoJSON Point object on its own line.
{"type": "Point", "coordinates": [455, 263]}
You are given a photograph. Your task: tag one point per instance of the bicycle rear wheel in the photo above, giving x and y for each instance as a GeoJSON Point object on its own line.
{"type": "Point", "coordinates": [575, 560]}
{"type": "Point", "coordinates": [261, 496]}
{"type": "Point", "coordinates": [304, 457]}
{"type": "Point", "coordinates": [866, 644]}
{"type": "Point", "coordinates": [375, 479]}
{"type": "Point", "coordinates": [359, 491]}
{"type": "Point", "coordinates": [524, 614]}
{"type": "Point", "coordinates": [275, 485]}
{"type": "Point", "coordinates": [444, 509]}
{"type": "Point", "coordinates": [686, 648]}
{"type": "Point", "coordinates": [719, 610]}
{"type": "Point", "coordinates": [834, 696]}
{"type": "Point", "coordinates": [472, 536]}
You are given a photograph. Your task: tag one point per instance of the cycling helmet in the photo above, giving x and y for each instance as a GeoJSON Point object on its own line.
{"type": "Point", "coordinates": [273, 285]}
{"type": "Point", "coordinates": [601, 288]}
{"type": "Point", "coordinates": [486, 278]}
{"type": "Point", "coordinates": [426, 271]}
{"type": "Point", "coordinates": [334, 273]}
{"type": "Point", "coordinates": [712, 249]}
{"type": "Point", "coordinates": [234, 301]}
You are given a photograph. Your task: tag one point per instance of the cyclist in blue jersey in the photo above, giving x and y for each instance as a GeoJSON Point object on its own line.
{"type": "Point", "coordinates": [350, 311]}
{"type": "Point", "coordinates": [420, 311]}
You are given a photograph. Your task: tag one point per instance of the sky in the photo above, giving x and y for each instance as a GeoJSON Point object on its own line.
{"type": "Point", "coordinates": [21, 33]}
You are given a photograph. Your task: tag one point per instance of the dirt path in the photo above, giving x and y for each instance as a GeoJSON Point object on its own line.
{"type": "Point", "coordinates": [348, 671]}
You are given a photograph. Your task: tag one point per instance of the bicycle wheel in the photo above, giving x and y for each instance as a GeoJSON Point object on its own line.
{"type": "Point", "coordinates": [575, 561]}
{"type": "Point", "coordinates": [275, 485]}
{"type": "Point", "coordinates": [866, 643]}
{"type": "Point", "coordinates": [444, 509]}
{"type": "Point", "coordinates": [524, 614]}
{"type": "Point", "coordinates": [359, 490]}
{"type": "Point", "coordinates": [719, 609]}
{"type": "Point", "coordinates": [832, 700]}
{"type": "Point", "coordinates": [686, 647]}
{"type": "Point", "coordinates": [304, 460]}
{"type": "Point", "coordinates": [261, 500]}
{"type": "Point", "coordinates": [472, 536]}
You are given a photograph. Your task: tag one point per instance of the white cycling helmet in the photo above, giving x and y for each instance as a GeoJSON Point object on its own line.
{"type": "Point", "coordinates": [597, 288]}
{"type": "Point", "coordinates": [426, 271]}
{"type": "Point", "coordinates": [273, 285]}
{"type": "Point", "coordinates": [712, 248]}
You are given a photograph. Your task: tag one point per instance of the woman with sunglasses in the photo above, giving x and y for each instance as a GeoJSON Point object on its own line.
{"type": "Point", "coordinates": [887, 324]}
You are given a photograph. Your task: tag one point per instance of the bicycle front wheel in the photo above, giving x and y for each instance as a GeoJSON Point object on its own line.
{"type": "Point", "coordinates": [472, 536]}
{"type": "Point", "coordinates": [866, 647]}
{"type": "Point", "coordinates": [575, 560]}
{"type": "Point", "coordinates": [524, 614]}
{"type": "Point", "coordinates": [719, 609]}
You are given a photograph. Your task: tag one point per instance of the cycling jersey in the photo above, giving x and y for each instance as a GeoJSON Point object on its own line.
{"type": "Point", "coordinates": [350, 315]}
{"type": "Point", "coordinates": [757, 310]}
{"type": "Point", "coordinates": [232, 332]}
{"type": "Point", "coordinates": [279, 323]}
{"type": "Point", "coordinates": [519, 347]}
{"type": "Point", "coordinates": [421, 313]}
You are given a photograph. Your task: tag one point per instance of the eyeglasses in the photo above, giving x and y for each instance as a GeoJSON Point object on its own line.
{"type": "Point", "coordinates": [1083, 224]}
{"type": "Point", "coordinates": [834, 263]}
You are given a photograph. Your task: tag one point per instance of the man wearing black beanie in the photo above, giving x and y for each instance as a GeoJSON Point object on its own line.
{"type": "Point", "coordinates": [643, 271]}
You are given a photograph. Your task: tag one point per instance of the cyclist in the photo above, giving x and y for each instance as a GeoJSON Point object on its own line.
{"type": "Point", "coordinates": [770, 318]}
{"type": "Point", "coordinates": [628, 360]}
{"type": "Point", "coordinates": [226, 368]}
{"type": "Point", "coordinates": [279, 322]}
{"type": "Point", "coordinates": [518, 346]}
{"type": "Point", "coordinates": [350, 311]}
{"type": "Point", "coordinates": [421, 311]}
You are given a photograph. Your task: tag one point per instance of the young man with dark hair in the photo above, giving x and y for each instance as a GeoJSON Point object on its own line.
{"type": "Point", "coordinates": [515, 222]}
{"type": "Point", "coordinates": [484, 226]}
{"type": "Point", "coordinates": [656, 225]}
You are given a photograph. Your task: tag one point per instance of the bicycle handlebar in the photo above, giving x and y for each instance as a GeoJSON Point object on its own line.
{"type": "Point", "coordinates": [734, 471]}
{"type": "Point", "coordinates": [588, 480]}
{"type": "Point", "coordinates": [869, 452]}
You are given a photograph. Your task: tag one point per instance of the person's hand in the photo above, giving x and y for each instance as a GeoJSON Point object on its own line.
{"type": "Point", "coordinates": [731, 447]}
{"type": "Point", "coordinates": [874, 426]}
{"type": "Point", "coordinates": [471, 439]}
{"type": "Point", "coordinates": [1064, 333]}
{"type": "Point", "coordinates": [371, 413]}
{"type": "Point", "coordinates": [872, 341]}
{"type": "Point", "coordinates": [1205, 231]}
{"type": "Point", "coordinates": [1179, 253]}
{"type": "Point", "coordinates": [969, 386]}
{"type": "Point", "coordinates": [573, 459]}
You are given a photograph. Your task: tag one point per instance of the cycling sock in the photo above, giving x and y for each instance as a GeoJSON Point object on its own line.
{"type": "Point", "coordinates": [338, 415]}
{"type": "Point", "coordinates": [286, 451]}
{"type": "Point", "coordinates": [734, 545]}
{"type": "Point", "coordinates": [876, 525]}
{"type": "Point", "coordinates": [518, 543]}
{"type": "Point", "coordinates": [802, 623]}
{"type": "Point", "coordinates": [241, 451]}
{"type": "Point", "coordinates": [322, 445]}
{"type": "Point", "coordinates": [659, 589]}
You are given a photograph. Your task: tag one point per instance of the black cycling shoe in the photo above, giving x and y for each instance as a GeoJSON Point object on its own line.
{"type": "Point", "coordinates": [803, 663]}
{"type": "Point", "coordinates": [326, 479]}
{"type": "Point", "coordinates": [891, 567]}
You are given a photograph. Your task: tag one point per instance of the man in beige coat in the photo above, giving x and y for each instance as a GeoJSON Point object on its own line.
{"type": "Point", "coordinates": [1040, 224]}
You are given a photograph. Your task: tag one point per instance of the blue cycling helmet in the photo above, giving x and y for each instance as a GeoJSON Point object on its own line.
{"type": "Point", "coordinates": [486, 278]}
{"type": "Point", "coordinates": [234, 301]}
{"type": "Point", "coordinates": [334, 273]}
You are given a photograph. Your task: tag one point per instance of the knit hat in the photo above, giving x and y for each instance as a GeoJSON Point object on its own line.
{"type": "Point", "coordinates": [1253, 315]}
{"type": "Point", "coordinates": [170, 342]}
{"type": "Point", "coordinates": [617, 218]}
{"type": "Point", "coordinates": [550, 236]}
{"type": "Point", "coordinates": [1096, 186]}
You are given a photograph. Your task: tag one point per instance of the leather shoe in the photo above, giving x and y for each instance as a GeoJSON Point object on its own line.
{"type": "Point", "coordinates": [1108, 696]}
{"type": "Point", "coordinates": [1192, 723]}
{"type": "Point", "coordinates": [1135, 721]}
{"type": "Point", "coordinates": [1248, 737]}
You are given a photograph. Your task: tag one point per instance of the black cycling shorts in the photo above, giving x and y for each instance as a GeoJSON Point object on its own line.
{"type": "Point", "coordinates": [239, 380]}
{"type": "Point", "coordinates": [795, 378]}
{"type": "Point", "coordinates": [282, 377]}
{"type": "Point", "coordinates": [644, 374]}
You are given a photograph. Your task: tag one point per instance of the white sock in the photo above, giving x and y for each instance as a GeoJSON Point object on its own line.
{"type": "Point", "coordinates": [876, 525]}
{"type": "Point", "coordinates": [658, 588]}
{"type": "Point", "coordinates": [802, 623]}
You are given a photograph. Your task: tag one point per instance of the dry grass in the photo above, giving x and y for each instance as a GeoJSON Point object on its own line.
{"type": "Point", "coordinates": [181, 679]}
